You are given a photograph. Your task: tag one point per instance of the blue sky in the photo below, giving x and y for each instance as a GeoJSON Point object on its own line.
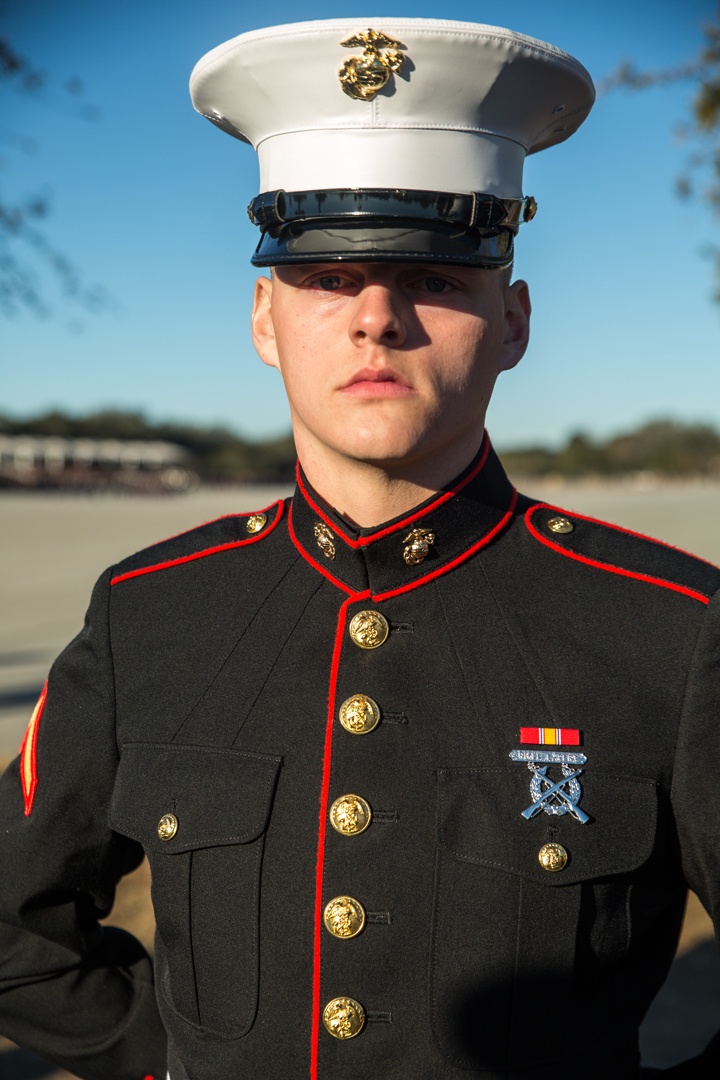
{"type": "Point", "coordinates": [149, 201]}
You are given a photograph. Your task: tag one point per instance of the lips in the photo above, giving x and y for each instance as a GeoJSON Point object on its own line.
{"type": "Point", "coordinates": [374, 382]}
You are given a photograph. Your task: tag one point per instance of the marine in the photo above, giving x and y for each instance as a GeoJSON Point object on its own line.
{"type": "Point", "coordinates": [419, 762]}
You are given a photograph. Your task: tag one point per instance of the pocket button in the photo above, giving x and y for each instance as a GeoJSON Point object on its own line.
{"type": "Point", "coordinates": [553, 857]}
{"type": "Point", "coordinates": [167, 826]}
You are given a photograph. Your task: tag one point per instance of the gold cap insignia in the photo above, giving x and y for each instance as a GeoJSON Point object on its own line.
{"type": "Point", "coordinates": [361, 77]}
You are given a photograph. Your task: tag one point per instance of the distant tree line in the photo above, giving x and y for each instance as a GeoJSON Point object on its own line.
{"type": "Point", "coordinates": [665, 447]}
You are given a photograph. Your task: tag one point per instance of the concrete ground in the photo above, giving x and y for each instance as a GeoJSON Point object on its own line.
{"type": "Point", "coordinates": [53, 546]}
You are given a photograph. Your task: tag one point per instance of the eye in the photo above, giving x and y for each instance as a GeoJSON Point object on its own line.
{"type": "Point", "coordinates": [435, 285]}
{"type": "Point", "coordinates": [328, 282]}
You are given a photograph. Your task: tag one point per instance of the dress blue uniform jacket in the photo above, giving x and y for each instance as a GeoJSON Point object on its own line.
{"type": "Point", "coordinates": [204, 690]}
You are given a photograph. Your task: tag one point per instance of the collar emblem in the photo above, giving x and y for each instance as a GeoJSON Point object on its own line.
{"type": "Point", "coordinates": [361, 77]}
{"type": "Point", "coordinates": [417, 546]}
{"type": "Point", "coordinates": [325, 540]}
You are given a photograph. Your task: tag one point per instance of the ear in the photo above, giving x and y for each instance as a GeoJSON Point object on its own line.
{"type": "Point", "coordinates": [517, 324]}
{"type": "Point", "coordinates": [263, 328]}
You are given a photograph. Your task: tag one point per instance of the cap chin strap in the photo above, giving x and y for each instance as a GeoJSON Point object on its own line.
{"type": "Point", "coordinates": [273, 209]}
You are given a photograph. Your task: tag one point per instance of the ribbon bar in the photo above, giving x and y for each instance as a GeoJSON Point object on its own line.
{"type": "Point", "coordinates": [550, 736]}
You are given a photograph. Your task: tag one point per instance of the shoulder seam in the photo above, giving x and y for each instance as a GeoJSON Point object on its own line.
{"type": "Point", "coordinates": [204, 552]}
{"type": "Point", "coordinates": [610, 567]}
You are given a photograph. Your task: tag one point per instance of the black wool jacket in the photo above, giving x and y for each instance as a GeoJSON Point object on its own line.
{"type": "Point", "coordinates": [460, 853]}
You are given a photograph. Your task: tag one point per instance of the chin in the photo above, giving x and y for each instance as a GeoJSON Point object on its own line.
{"type": "Point", "coordinates": [380, 452]}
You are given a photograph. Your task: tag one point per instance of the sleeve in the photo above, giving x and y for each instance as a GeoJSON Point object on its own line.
{"type": "Point", "coordinates": [75, 992]}
{"type": "Point", "coordinates": [696, 801]}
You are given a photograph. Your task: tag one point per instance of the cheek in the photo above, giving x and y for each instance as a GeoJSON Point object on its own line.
{"type": "Point", "coordinates": [469, 360]}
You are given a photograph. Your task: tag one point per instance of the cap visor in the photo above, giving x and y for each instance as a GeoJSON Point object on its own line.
{"type": "Point", "coordinates": [324, 241]}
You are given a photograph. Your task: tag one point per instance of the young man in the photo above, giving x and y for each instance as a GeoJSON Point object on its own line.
{"type": "Point", "coordinates": [420, 764]}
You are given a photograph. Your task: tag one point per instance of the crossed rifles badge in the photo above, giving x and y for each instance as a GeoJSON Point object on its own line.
{"type": "Point", "coordinates": [553, 794]}
{"type": "Point", "coordinates": [361, 77]}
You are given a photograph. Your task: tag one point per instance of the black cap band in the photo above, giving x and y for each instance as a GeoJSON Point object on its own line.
{"type": "Point", "coordinates": [359, 225]}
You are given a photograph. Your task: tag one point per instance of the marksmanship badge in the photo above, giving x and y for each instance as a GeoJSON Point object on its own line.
{"type": "Point", "coordinates": [361, 77]}
{"type": "Point", "coordinates": [554, 795]}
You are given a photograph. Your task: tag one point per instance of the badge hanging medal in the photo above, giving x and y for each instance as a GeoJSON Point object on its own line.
{"type": "Point", "coordinates": [557, 792]}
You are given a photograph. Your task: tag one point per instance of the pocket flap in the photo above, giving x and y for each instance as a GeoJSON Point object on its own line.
{"type": "Point", "coordinates": [215, 796]}
{"type": "Point", "coordinates": [480, 821]}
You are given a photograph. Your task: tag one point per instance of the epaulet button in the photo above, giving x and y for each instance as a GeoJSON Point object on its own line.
{"type": "Point", "coordinates": [256, 523]}
{"type": "Point", "coordinates": [560, 525]}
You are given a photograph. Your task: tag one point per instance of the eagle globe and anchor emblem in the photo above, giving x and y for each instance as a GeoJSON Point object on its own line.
{"type": "Point", "coordinates": [362, 77]}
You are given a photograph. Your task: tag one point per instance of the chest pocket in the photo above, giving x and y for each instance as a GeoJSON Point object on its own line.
{"type": "Point", "coordinates": [201, 814]}
{"type": "Point", "coordinates": [507, 933]}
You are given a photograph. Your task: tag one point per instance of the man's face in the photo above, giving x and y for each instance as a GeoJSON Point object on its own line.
{"type": "Point", "coordinates": [391, 364]}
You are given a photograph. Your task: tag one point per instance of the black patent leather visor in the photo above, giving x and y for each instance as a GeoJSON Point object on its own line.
{"type": "Point", "coordinates": [361, 225]}
{"type": "Point", "coordinates": [343, 241]}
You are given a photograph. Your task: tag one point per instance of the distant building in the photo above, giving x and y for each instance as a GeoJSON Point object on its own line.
{"type": "Point", "coordinates": [52, 461]}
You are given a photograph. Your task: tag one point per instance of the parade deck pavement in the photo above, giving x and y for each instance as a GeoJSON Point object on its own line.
{"type": "Point", "coordinates": [53, 546]}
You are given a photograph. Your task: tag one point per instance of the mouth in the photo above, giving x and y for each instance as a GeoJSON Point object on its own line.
{"type": "Point", "coordinates": [371, 382]}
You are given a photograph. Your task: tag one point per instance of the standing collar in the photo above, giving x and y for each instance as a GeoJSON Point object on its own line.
{"type": "Point", "coordinates": [405, 552]}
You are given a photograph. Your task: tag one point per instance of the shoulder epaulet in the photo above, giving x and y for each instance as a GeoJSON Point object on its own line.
{"type": "Point", "coordinates": [616, 550]}
{"type": "Point", "coordinates": [222, 534]}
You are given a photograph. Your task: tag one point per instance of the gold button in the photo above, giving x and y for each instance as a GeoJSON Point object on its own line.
{"type": "Point", "coordinates": [359, 714]}
{"type": "Point", "coordinates": [344, 1017]}
{"type": "Point", "coordinates": [369, 629]}
{"type": "Point", "coordinates": [560, 525]}
{"type": "Point", "coordinates": [553, 857]}
{"type": "Point", "coordinates": [344, 917]}
{"type": "Point", "coordinates": [350, 815]}
{"type": "Point", "coordinates": [256, 522]}
{"type": "Point", "coordinates": [167, 826]}
{"type": "Point", "coordinates": [324, 539]}
{"type": "Point", "coordinates": [417, 546]}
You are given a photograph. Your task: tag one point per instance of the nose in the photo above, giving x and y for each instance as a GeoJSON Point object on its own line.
{"type": "Point", "coordinates": [378, 317]}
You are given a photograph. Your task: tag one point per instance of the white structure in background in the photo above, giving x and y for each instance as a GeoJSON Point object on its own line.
{"type": "Point", "coordinates": [53, 453]}
{"type": "Point", "coordinates": [30, 457]}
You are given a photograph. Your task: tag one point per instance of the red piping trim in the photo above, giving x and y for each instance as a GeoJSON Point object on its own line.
{"type": "Point", "coordinates": [363, 541]}
{"type": "Point", "coordinates": [322, 828]}
{"type": "Point", "coordinates": [207, 551]}
{"type": "Point", "coordinates": [609, 566]}
{"type": "Point", "coordinates": [455, 562]}
{"type": "Point", "coordinates": [28, 753]}
{"type": "Point", "coordinates": [629, 532]}
{"type": "Point", "coordinates": [308, 558]}
{"type": "Point", "coordinates": [213, 521]}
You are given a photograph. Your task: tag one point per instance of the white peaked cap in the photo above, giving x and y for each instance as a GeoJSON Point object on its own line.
{"type": "Point", "coordinates": [468, 103]}
{"type": "Point", "coordinates": [363, 126]}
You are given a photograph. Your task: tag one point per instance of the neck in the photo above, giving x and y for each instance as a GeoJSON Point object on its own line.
{"type": "Point", "coordinates": [368, 494]}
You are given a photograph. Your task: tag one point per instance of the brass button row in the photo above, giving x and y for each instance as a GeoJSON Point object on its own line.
{"type": "Point", "coordinates": [344, 1017]}
{"type": "Point", "coordinates": [350, 815]}
{"type": "Point", "coordinates": [369, 629]}
{"type": "Point", "coordinates": [344, 917]}
{"type": "Point", "coordinates": [359, 714]}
